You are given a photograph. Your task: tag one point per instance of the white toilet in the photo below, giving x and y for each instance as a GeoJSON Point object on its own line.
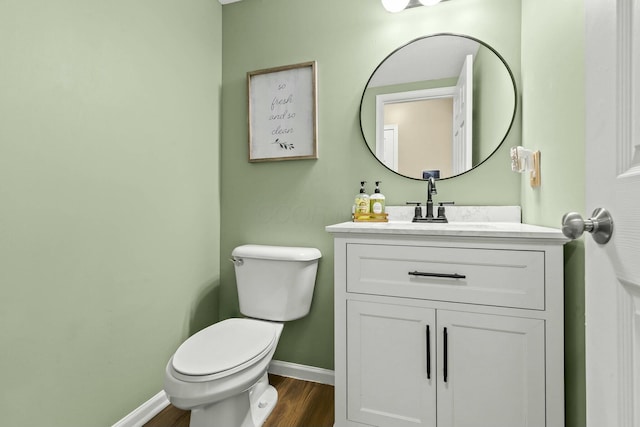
{"type": "Point", "coordinates": [220, 373]}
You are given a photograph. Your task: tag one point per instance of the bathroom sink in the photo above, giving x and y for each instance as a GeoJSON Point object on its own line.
{"type": "Point", "coordinates": [451, 229]}
{"type": "Point", "coordinates": [457, 213]}
{"type": "Point", "coordinates": [464, 221]}
{"type": "Point", "coordinates": [452, 226]}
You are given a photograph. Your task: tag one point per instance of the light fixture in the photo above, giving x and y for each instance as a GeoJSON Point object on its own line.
{"type": "Point", "coordinates": [394, 6]}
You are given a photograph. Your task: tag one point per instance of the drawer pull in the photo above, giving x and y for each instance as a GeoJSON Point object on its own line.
{"type": "Point", "coordinates": [445, 355]}
{"type": "Point", "coordinates": [428, 353]}
{"type": "Point", "coordinates": [446, 275]}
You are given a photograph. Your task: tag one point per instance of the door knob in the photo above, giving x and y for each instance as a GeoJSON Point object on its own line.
{"type": "Point", "coordinates": [600, 225]}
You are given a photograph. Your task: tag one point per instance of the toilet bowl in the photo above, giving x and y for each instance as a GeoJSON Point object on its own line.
{"type": "Point", "coordinates": [203, 372]}
{"type": "Point", "coordinates": [220, 373]}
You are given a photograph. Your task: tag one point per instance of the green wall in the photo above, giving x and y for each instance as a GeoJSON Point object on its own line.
{"type": "Point", "coordinates": [109, 190]}
{"type": "Point", "coordinates": [114, 228]}
{"type": "Point", "coordinates": [554, 102]}
{"type": "Point", "coordinates": [291, 202]}
{"type": "Point", "coordinates": [493, 98]}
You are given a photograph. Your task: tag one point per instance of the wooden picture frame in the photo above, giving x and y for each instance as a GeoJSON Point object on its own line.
{"type": "Point", "coordinates": [283, 113]}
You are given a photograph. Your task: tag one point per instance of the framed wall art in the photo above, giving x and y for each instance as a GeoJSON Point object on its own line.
{"type": "Point", "coordinates": [283, 113]}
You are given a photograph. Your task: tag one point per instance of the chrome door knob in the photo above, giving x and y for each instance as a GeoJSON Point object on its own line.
{"type": "Point", "coordinates": [600, 225]}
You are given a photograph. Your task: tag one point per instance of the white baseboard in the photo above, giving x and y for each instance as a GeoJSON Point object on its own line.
{"type": "Point", "coordinates": [157, 403]}
{"type": "Point", "coordinates": [302, 372]}
{"type": "Point", "coordinates": [145, 412]}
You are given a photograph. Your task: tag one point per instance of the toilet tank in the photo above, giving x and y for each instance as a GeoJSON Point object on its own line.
{"type": "Point", "coordinates": [275, 282]}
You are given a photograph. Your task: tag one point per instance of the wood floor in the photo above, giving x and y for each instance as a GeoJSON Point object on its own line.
{"type": "Point", "coordinates": [300, 404]}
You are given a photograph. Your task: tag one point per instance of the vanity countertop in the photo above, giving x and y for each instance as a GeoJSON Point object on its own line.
{"type": "Point", "coordinates": [452, 229]}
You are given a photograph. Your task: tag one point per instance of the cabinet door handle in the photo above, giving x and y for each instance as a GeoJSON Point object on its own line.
{"type": "Point", "coordinates": [446, 275]}
{"type": "Point", "coordinates": [445, 354]}
{"type": "Point", "coordinates": [428, 352]}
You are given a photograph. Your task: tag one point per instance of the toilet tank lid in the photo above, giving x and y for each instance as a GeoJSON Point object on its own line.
{"type": "Point", "coordinates": [283, 253]}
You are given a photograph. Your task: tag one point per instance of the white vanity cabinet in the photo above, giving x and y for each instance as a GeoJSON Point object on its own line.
{"type": "Point", "coordinates": [442, 326]}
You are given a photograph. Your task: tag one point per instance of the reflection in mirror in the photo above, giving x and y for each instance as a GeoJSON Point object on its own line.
{"type": "Point", "coordinates": [438, 106]}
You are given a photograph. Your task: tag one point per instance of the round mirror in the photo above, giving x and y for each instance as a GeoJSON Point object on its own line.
{"type": "Point", "coordinates": [438, 106]}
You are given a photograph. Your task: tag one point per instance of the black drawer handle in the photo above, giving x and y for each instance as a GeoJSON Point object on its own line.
{"type": "Point", "coordinates": [448, 276]}
{"type": "Point", "coordinates": [445, 355]}
{"type": "Point", "coordinates": [428, 352]}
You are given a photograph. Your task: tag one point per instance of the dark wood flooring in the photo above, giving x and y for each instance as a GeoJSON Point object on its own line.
{"type": "Point", "coordinates": [300, 404]}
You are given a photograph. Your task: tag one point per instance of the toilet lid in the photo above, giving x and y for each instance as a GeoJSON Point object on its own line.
{"type": "Point", "coordinates": [223, 346]}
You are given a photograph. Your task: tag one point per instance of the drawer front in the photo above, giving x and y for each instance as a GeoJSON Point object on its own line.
{"type": "Point", "coordinates": [505, 278]}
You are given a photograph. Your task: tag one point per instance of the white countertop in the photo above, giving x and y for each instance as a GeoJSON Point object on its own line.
{"type": "Point", "coordinates": [458, 213]}
{"type": "Point", "coordinates": [452, 229]}
{"type": "Point", "coordinates": [464, 221]}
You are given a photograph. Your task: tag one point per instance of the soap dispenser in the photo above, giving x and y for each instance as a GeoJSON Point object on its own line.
{"type": "Point", "coordinates": [362, 200]}
{"type": "Point", "coordinates": [377, 200]}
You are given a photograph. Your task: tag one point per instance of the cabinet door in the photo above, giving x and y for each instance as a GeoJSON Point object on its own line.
{"type": "Point", "coordinates": [495, 371]}
{"type": "Point", "coordinates": [391, 381]}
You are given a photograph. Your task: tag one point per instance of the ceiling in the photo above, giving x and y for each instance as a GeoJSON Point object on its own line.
{"type": "Point", "coordinates": [430, 58]}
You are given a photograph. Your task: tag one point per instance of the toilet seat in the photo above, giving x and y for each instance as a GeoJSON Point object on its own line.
{"type": "Point", "coordinates": [223, 346]}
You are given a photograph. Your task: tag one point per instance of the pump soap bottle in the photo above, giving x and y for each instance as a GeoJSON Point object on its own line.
{"type": "Point", "coordinates": [362, 200]}
{"type": "Point", "coordinates": [377, 200]}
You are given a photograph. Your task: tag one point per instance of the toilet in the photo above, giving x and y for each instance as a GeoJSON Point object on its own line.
{"type": "Point", "coordinates": [220, 373]}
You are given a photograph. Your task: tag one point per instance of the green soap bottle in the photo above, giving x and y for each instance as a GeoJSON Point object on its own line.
{"type": "Point", "coordinates": [362, 200]}
{"type": "Point", "coordinates": [377, 200]}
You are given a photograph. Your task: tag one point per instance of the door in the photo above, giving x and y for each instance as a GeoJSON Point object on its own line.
{"type": "Point", "coordinates": [389, 369]}
{"type": "Point", "coordinates": [462, 118]}
{"type": "Point", "coordinates": [389, 154]}
{"type": "Point", "coordinates": [612, 294]}
{"type": "Point", "coordinates": [492, 371]}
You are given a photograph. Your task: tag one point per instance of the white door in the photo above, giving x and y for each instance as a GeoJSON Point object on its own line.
{"type": "Point", "coordinates": [613, 182]}
{"type": "Point", "coordinates": [389, 154]}
{"type": "Point", "coordinates": [462, 118]}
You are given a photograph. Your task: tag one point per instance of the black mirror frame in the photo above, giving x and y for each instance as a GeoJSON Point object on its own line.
{"type": "Point", "coordinates": [513, 116]}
